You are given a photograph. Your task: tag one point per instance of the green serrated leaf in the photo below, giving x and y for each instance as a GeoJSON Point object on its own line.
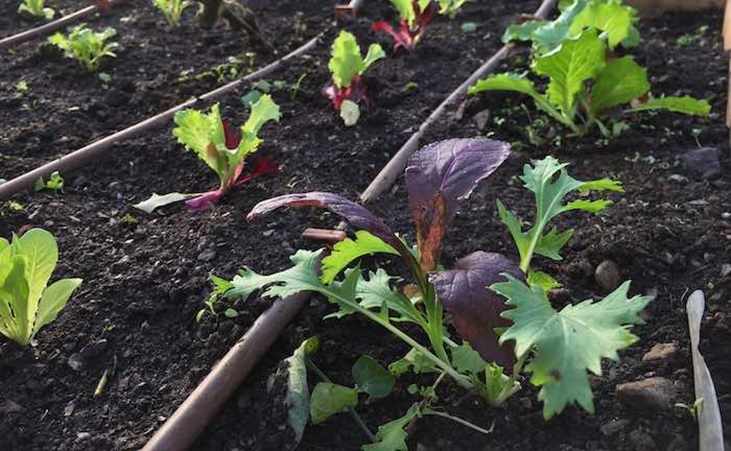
{"type": "Point", "coordinates": [413, 360]}
{"type": "Point", "coordinates": [544, 281]}
{"type": "Point", "coordinates": [568, 343]}
{"type": "Point", "coordinates": [348, 250]}
{"type": "Point", "coordinates": [391, 436]}
{"type": "Point", "coordinates": [621, 81]}
{"type": "Point", "coordinates": [328, 399]}
{"type": "Point", "coordinates": [569, 67]}
{"type": "Point", "coordinates": [684, 105]}
{"type": "Point", "coordinates": [347, 62]}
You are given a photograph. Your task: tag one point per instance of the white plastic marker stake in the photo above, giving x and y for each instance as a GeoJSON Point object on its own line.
{"type": "Point", "coordinates": [710, 430]}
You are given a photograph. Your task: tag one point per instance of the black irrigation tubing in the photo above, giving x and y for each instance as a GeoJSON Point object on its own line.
{"type": "Point", "coordinates": [85, 155]}
{"type": "Point", "coordinates": [56, 24]}
{"type": "Point", "coordinates": [397, 164]}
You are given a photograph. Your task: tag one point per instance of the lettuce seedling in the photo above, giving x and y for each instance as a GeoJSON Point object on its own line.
{"type": "Point", "coordinates": [172, 9]}
{"type": "Point", "coordinates": [223, 148]}
{"type": "Point", "coordinates": [347, 67]}
{"type": "Point", "coordinates": [86, 46]}
{"type": "Point", "coordinates": [414, 17]}
{"type": "Point", "coordinates": [54, 183]}
{"type": "Point", "coordinates": [587, 86]}
{"type": "Point", "coordinates": [450, 8]}
{"type": "Point", "coordinates": [27, 302]}
{"type": "Point", "coordinates": [36, 8]}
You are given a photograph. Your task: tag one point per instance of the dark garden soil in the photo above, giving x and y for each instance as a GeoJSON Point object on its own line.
{"type": "Point", "coordinates": [145, 275]}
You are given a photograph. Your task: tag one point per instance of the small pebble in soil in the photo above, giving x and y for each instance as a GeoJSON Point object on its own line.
{"type": "Point", "coordinates": [607, 275]}
{"type": "Point", "coordinates": [642, 441]}
{"type": "Point", "coordinates": [661, 353]}
{"type": "Point", "coordinates": [652, 394]}
{"type": "Point", "coordinates": [76, 362]}
{"type": "Point", "coordinates": [703, 162]}
{"type": "Point", "coordinates": [614, 426]}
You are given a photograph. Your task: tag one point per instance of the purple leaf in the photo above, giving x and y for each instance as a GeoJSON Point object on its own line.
{"type": "Point", "coordinates": [437, 177]}
{"type": "Point", "coordinates": [474, 307]}
{"type": "Point", "coordinates": [355, 214]}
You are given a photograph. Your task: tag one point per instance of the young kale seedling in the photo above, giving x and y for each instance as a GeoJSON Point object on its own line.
{"type": "Point", "coordinates": [223, 148]}
{"type": "Point", "coordinates": [27, 302]}
{"type": "Point", "coordinates": [414, 17]}
{"type": "Point", "coordinates": [347, 66]}
{"type": "Point", "coordinates": [587, 85]}
{"type": "Point", "coordinates": [495, 336]}
{"type": "Point", "coordinates": [86, 46]}
{"type": "Point", "coordinates": [36, 8]}
{"type": "Point", "coordinates": [172, 9]}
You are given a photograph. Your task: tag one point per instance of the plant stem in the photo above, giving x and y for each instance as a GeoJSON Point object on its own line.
{"type": "Point", "coordinates": [511, 387]}
{"type": "Point", "coordinates": [358, 420]}
{"type": "Point", "coordinates": [460, 421]}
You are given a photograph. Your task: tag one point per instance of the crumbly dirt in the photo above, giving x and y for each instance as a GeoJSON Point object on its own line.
{"type": "Point", "coordinates": [145, 276]}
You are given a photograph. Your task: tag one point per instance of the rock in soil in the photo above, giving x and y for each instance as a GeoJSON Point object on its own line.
{"type": "Point", "coordinates": [703, 162]}
{"type": "Point", "coordinates": [653, 394]}
{"type": "Point", "coordinates": [641, 441]}
{"type": "Point", "coordinates": [614, 427]}
{"type": "Point", "coordinates": [607, 275]}
{"type": "Point", "coordinates": [661, 353]}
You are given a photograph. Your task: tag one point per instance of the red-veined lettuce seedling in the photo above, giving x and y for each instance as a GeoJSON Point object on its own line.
{"type": "Point", "coordinates": [500, 309]}
{"type": "Point", "coordinates": [27, 302]}
{"type": "Point", "coordinates": [347, 67]}
{"type": "Point", "coordinates": [223, 148]}
{"type": "Point", "coordinates": [414, 17]}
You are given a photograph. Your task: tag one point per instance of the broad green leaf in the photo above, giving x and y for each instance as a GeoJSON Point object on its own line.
{"type": "Point", "coordinates": [346, 61]}
{"type": "Point", "coordinates": [569, 67]}
{"type": "Point", "coordinates": [405, 10]}
{"type": "Point", "coordinates": [523, 31]}
{"type": "Point", "coordinates": [685, 105]}
{"type": "Point", "coordinates": [546, 38]}
{"type": "Point", "coordinates": [156, 201]}
{"type": "Point", "coordinates": [621, 81]}
{"type": "Point", "coordinates": [263, 111]}
{"type": "Point", "coordinates": [391, 436]}
{"type": "Point", "coordinates": [568, 343]}
{"type": "Point", "coordinates": [298, 393]}
{"type": "Point", "coordinates": [328, 399]}
{"type": "Point", "coordinates": [375, 52]}
{"type": "Point", "coordinates": [544, 281]}
{"type": "Point", "coordinates": [515, 83]}
{"type": "Point", "coordinates": [54, 299]}
{"type": "Point", "coordinates": [15, 324]}
{"type": "Point", "coordinates": [40, 248]}
{"type": "Point", "coordinates": [467, 360]}
{"type": "Point", "coordinates": [609, 16]}
{"type": "Point", "coordinates": [347, 251]}
{"type": "Point", "coordinates": [370, 377]}
{"type": "Point", "coordinates": [349, 112]}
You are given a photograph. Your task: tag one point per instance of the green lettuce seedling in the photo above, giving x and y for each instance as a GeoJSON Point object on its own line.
{"type": "Point", "coordinates": [86, 46]}
{"type": "Point", "coordinates": [587, 86]}
{"type": "Point", "coordinates": [54, 183]}
{"type": "Point", "coordinates": [36, 8]}
{"type": "Point", "coordinates": [223, 147]}
{"type": "Point", "coordinates": [450, 8]}
{"type": "Point", "coordinates": [172, 9]}
{"type": "Point", "coordinates": [27, 302]}
{"type": "Point", "coordinates": [347, 67]}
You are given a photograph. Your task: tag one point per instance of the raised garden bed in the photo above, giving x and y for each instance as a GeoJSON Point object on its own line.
{"type": "Point", "coordinates": [145, 275]}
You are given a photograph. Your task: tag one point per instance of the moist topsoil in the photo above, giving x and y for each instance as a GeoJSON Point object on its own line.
{"type": "Point", "coordinates": [145, 276]}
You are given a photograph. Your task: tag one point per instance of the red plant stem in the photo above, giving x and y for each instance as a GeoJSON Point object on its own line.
{"type": "Point", "coordinates": [56, 24]}
{"type": "Point", "coordinates": [397, 164]}
{"type": "Point", "coordinates": [85, 155]}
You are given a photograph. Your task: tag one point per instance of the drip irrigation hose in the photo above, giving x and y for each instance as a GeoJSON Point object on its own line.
{"type": "Point", "coordinates": [57, 24]}
{"type": "Point", "coordinates": [85, 155]}
{"type": "Point", "coordinates": [395, 167]}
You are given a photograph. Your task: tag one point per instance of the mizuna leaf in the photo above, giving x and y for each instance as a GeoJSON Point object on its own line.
{"type": "Point", "coordinates": [685, 105]}
{"type": "Point", "coordinates": [569, 66]}
{"type": "Point", "coordinates": [438, 176]}
{"type": "Point", "coordinates": [621, 81]}
{"type": "Point", "coordinates": [391, 436]}
{"type": "Point", "coordinates": [610, 17]}
{"type": "Point", "coordinates": [347, 251]}
{"type": "Point", "coordinates": [568, 343]}
{"type": "Point", "coordinates": [357, 215]}
{"type": "Point", "coordinates": [475, 309]}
